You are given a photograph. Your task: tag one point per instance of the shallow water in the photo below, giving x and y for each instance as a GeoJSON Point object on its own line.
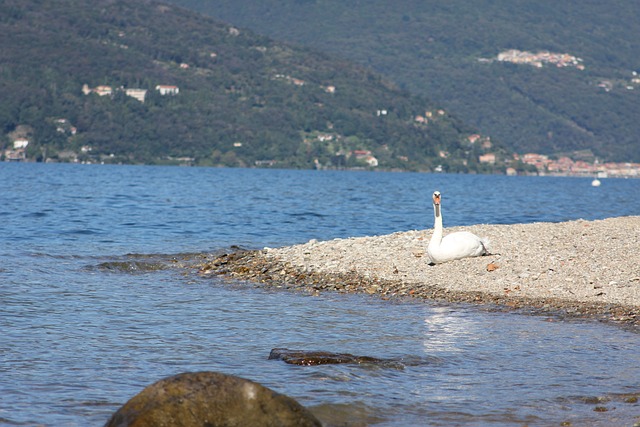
{"type": "Point", "coordinates": [92, 311]}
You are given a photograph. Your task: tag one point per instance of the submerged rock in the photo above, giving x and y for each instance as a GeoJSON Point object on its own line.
{"type": "Point", "coordinates": [132, 266]}
{"type": "Point", "coordinates": [311, 358]}
{"type": "Point", "coordinates": [210, 399]}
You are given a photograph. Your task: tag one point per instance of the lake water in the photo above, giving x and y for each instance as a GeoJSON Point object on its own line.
{"type": "Point", "coordinates": [85, 324]}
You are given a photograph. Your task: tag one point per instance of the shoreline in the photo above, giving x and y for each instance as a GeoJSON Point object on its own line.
{"type": "Point", "coordinates": [575, 269]}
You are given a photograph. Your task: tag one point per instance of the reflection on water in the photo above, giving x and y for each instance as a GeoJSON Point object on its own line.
{"type": "Point", "coordinates": [447, 331]}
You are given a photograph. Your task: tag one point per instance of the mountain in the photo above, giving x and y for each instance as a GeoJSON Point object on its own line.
{"type": "Point", "coordinates": [448, 51]}
{"type": "Point", "coordinates": [147, 82]}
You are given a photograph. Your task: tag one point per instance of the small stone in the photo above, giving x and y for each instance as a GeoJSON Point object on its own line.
{"type": "Point", "coordinates": [492, 266]}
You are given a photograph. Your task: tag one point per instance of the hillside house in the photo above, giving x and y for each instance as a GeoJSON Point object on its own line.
{"type": "Point", "coordinates": [538, 160]}
{"type": "Point", "coordinates": [168, 89]}
{"type": "Point", "coordinates": [473, 138]}
{"type": "Point", "coordinates": [101, 90]}
{"type": "Point", "coordinates": [20, 144]}
{"type": "Point", "coordinates": [18, 153]}
{"type": "Point", "coordinates": [371, 161]}
{"type": "Point", "coordinates": [365, 156]}
{"type": "Point", "coordinates": [138, 94]}
{"type": "Point", "coordinates": [489, 158]}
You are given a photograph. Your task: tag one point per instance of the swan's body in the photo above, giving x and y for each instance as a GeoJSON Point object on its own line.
{"type": "Point", "coordinates": [461, 244]}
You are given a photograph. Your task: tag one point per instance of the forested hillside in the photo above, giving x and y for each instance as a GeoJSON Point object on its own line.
{"type": "Point", "coordinates": [145, 82]}
{"type": "Point", "coordinates": [448, 50]}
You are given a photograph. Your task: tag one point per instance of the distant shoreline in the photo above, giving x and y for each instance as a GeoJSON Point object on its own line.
{"type": "Point", "coordinates": [574, 269]}
{"type": "Point", "coordinates": [352, 169]}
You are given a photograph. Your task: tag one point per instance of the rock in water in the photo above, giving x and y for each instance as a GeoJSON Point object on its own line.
{"type": "Point", "coordinates": [311, 358]}
{"type": "Point", "coordinates": [210, 399]}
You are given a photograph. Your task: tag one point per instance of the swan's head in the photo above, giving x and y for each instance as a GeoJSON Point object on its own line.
{"type": "Point", "coordinates": [436, 198]}
{"type": "Point", "coordinates": [436, 203]}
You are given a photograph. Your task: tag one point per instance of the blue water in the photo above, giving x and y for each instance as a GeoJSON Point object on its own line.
{"type": "Point", "coordinates": [80, 337]}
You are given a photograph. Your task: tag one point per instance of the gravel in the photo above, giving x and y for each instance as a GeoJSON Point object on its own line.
{"type": "Point", "coordinates": [575, 269]}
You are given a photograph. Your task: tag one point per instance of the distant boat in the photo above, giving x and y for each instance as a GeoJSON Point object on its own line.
{"type": "Point", "coordinates": [595, 183]}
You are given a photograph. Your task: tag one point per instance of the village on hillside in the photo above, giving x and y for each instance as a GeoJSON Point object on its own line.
{"type": "Point", "coordinates": [539, 59]}
{"type": "Point", "coordinates": [565, 166]}
{"type": "Point", "coordinates": [561, 165]}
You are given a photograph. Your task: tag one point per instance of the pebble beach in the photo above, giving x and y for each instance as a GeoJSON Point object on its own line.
{"type": "Point", "coordinates": [575, 269]}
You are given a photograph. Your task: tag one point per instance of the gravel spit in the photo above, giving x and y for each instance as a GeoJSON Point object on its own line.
{"type": "Point", "coordinates": [571, 269]}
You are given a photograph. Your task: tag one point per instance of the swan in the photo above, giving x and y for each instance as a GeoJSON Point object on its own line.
{"type": "Point", "coordinates": [461, 244]}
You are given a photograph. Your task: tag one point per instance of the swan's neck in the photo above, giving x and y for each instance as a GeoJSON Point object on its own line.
{"type": "Point", "coordinates": [436, 238]}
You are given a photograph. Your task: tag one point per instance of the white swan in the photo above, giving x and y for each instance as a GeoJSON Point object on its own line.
{"type": "Point", "coordinates": [461, 244]}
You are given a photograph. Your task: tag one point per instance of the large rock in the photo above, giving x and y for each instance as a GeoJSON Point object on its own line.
{"type": "Point", "coordinates": [210, 399]}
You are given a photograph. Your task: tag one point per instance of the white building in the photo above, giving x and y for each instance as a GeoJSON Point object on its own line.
{"type": "Point", "coordinates": [168, 89]}
{"type": "Point", "coordinates": [20, 143]}
{"type": "Point", "coordinates": [138, 94]}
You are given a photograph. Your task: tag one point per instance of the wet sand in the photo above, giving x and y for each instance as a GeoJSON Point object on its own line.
{"type": "Point", "coordinates": [570, 269]}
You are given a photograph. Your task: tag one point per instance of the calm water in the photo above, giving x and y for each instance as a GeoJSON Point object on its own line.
{"type": "Point", "coordinates": [78, 338]}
